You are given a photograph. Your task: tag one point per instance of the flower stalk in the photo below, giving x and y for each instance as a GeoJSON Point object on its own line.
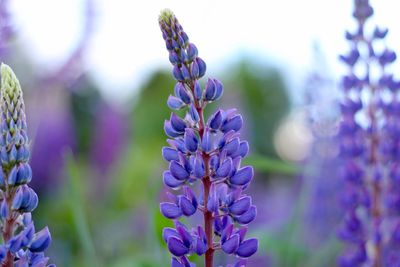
{"type": "Point", "coordinates": [21, 245]}
{"type": "Point", "coordinates": [204, 157]}
{"type": "Point", "coordinates": [369, 144]}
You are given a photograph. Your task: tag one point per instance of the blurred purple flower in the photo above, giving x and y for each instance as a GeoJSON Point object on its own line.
{"type": "Point", "coordinates": [54, 136]}
{"type": "Point", "coordinates": [110, 137]}
{"type": "Point", "coordinates": [322, 161]}
{"type": "Point", "coordinates": [6, 29]}
{"type": "Point", "coordinates": [369, 143]}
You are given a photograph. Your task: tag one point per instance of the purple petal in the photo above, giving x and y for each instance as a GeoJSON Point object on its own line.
{"type": "Point", "coordinates": [202, 234]}
{"type": "Point", "coordinates": [200, 247]}
{"type": "Point", "coordinates": [231, 245]}
{"type": "Point", "coordinates": [4, 209]}
{"type": "Point", "coordinates": [178, 144]}
{"type": "Point", "coordinates": [177, 123]}
{"type": "Point", "coordinates": [225, 168]}
{"type": "Point", "coordinates": [197, 90]}
{"type": "Point", "coordinates": [178, 171]}
{"type": "Point", "coordinates": [248, 216]}
{"type": "Point", "coordinates": [170, 154]}
{"type": "Point", "coordinates": [12, 177]}
{"type": "Point", "coordinates": [41, 241]}
{"type": "Point", "coordinates": [24, 174]}
{"type": "Point", "coordinates": [210, 90]}
{"type": "Point", "coordinates": [192, 51]}
{"type": "Point", "coordinates": [181, 92]}
{"type": "Point", "coordinates": [177, 73]}
{"type": "Point", "coordinates": [240, 206]}
{"type": "Point", "coordinates": [170, 180]}
{"type": "Point", "coordinates": [169, 130]}
{"type": "Point", "coordinates": [173, 57]}
{"type": "Point", "coordinates": [191, 141]}
{"type": "Point", "coordinates": [242, 232]}
{"type": "Point", "coordinates": [247, 248]}
{"type": "Point", "coordinates": [14, 244]}
{"type": "Point", "coordinates": [232, 146]}
{"type": "Point", "coordinates": [202, 66]}
{"type": "Point", "coordinates": [184, 234]}
{"type": "Point", "coordinates": [215, 120]}
{"type": "Point", "coordinates": [242, 176]}
{"type": "Point", "coordinates": [380, 33]}
{"type": "Point", "coordinates": [183, 56]}
{"type": "Point", "coordinates": [194, 114]}
{"type": "Point", "coordinates": [176, 263]}
{"type": "Point", "coordinates": [199, 168]}
{"type": "Point", "coordinates": [170, 210]}
{"type": "Point", "coordinates": [226, 232]}
{"type": "Point", "coordinates": [190, 195]}
{"type": "Point", "coordinates": [185, 72]}
{"type": "Point", "coordinates": [219, 89]}
{"type": "Point", "coordinates": [206, 142]}
{"type": "Point", "coordinates": [188, 209]}
{"type": "Point", "coordinates": [187, 263]}
{"type": "Point", "coordinates": [176, 247]}
{"type": "Point", "coordinates": [174, 103]}
{"type": "Point", "coordinates": [169, 232]}
{"type": "Point", "coordinates": [30, 201]}
{"type": "Point", "coordinates": [194, 70]}
{"type": "Point", "coordinates": [235, 123]}
{"type": "Point", "coordinates": [244, 148]}
{"type": "Point", "coordinates": [220, 224]}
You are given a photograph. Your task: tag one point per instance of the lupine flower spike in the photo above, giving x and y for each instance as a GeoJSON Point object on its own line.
{"type": "Point", "coordinates": [370, 138]}
{"type": "Point", "coordinates": [21, 245]}
{"type": "Point", "coordinates": [204, 162]}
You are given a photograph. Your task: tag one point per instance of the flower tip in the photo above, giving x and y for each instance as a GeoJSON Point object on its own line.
{"type": "Point", "coordinates": [9, 81]}
{"type": "Point", "coordinates": [4, 66]}
{"type": "Point", "coordinates": [5, 70]}
{"type": "Point", "coordinates": [166, 15]}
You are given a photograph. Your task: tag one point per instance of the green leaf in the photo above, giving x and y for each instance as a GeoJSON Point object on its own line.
{"type": "Point", "coordinates": [75, 179]}
{"type": "Point", "coordinates": [271, 165]}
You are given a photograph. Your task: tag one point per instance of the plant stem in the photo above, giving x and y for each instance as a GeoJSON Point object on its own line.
{"type": "Point", "coordinates": [208, 224]}
{"type": "Point", "coordinates": [208, 217]}
{"type": "Point", "coordinates": [375, 183]}
{"type": "Point", "coordinates": [373, 160]}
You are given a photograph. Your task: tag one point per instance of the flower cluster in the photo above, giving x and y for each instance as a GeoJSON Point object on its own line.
{"type": "Point", "coordinates": [22, 246]}
{"type": "Point", "coordinates": [204, 162]}
{"type": "Point", "coordinates": [369, 141]}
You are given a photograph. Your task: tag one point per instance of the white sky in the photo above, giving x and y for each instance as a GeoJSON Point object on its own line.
{"type": "Point", "coordinates": [127, 43]}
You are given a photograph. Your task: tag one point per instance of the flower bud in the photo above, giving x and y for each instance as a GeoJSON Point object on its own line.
{"type": "Point", "coordinates": [41, 241]}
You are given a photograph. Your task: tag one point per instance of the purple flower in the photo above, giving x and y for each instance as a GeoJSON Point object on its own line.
{"type": "Point", "coordinates": [21, 247]}
{"type": "Point", "coordinates": [204, 162]}
{"type": "Point", "coordinates": [369, 147]}
{"type": "Point", "coordinates": [6, 29]}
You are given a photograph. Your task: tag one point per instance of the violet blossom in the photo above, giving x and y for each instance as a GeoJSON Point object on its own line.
{"type": "Point", "coordinates": [203, 155]}
{"type": "Point", "coordinates": [22, 246]}
{"type": "Point", "coordinates": [6, 29]}
{"type": "Point", "coordinates": [369, 143]}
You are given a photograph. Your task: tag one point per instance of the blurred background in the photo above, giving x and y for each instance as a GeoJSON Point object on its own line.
{"type": "Point", "coordinates": [96, 77]}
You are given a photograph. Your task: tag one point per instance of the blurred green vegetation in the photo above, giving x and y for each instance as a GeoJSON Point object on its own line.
{"type": "Point", "coordinates": [264, 98]}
